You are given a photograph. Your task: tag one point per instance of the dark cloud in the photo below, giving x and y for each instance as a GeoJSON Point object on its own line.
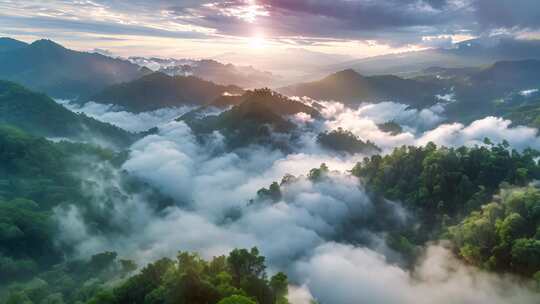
{"type": "Point", "coordinates": [508, 13]}
{"type": "Point", "coordinates": [391, 21]}
{"type": "Point", "coordinates": [89, 26]}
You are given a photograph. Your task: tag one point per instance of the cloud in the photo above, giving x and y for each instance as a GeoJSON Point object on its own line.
{"type": "Point", "coordinates": [494, 128]}
{"type": "Point", "coordinates": [393, 22]}
{"type": "Point", "coordinates": [134, 122]}
{"type": "Point", "coordinates": [508, 14]}
{"type": "Point", "coordinates": [213, 212]}
{"type": "Point", "coordinates": [421, 126]}
{"type": "Point", "coordinates": [338, 273]}
{"type": "Point", "coordinates": [52, 23]}
{"type": "Point", "coordinates": [363, 121]}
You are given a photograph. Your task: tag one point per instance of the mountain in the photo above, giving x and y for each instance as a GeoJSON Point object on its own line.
{"type": "Point", "coordinates": [8, 44]}
{"type": "Point", "coordinates": [158, 90]}
{"type": "Point", "coordinates": [508, 75]}
{"type": "Point", "coordinates": [48, 67]}
{"type": "Point", "coordinates": [478, 92]}
{"type": "Point", "coordinates": [474, 52]}
{"type": "Point", "coordinates": [211, 70]}
{"type": "Point", "coordinates": [293, 65]}
{"type": "Point", "coordinates": [350, 87]}
{"type": "Point", "coordinates": [252, 120]}
{"type": "Point", "coordinates": [39, 115]}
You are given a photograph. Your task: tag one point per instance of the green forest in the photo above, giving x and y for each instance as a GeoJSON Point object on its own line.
{"type": "Point", "coordinates": [478, 198]}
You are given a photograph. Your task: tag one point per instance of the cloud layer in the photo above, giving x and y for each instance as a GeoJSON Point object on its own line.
{"type": "Point", "coordinates": [308, 232]}
{"type": "Point", "coordinates": [338, 273]}
{"type": "Point", "coordinates": [133, 122]}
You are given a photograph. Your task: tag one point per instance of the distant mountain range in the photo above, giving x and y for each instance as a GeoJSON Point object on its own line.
{"type": "Point", "coordinates": [475, 52]}
{"type": "Point", "coordinates": [158, 90]}
{"type": "Point", "coordinates": [469, 92]}
{"type": "Point", "coordinates": [48, 67]}
{"type": "Point", "coordinates": [477, 92]}
{"type": "Point", "coordinates": [39, 115]}
{"type": "Point", "coordinates": [211, 70]}
{"type": "Point", "coordinates": [350, 87]}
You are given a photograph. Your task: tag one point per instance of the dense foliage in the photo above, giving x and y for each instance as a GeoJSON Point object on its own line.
{"type": "Point", "coordinates": [345, 141]}
{"type": "Point", "coordinates": [74, 281]}
{"type": "Point", "coordinates": [238, 278]}
{"type": "Point", "coordinates": [39, 115]}
{"type": "Point", "coordinates": [441, 186]}
{"type": "Point", "coordinates": [505, 234]}
{"type": "Point", "coordinates": [36, 177]}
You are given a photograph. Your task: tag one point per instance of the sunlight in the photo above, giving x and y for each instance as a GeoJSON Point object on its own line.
{"type": "Point", "coordinates": [257, 42]}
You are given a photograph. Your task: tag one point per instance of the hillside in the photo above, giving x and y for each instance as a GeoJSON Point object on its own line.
{"type": "Point", "coordinates": [350, 87]}
{"type": "Point", "coordinates": [484, 91]}
{"type": "Point", "coordinates": [252, 119]}
{"type": "Point", "coordinates": [159, 90]}
{"type": "Point", "coordinates": [38, 176]}
{"type": "Point", "coordinates": [48, 67]}
{"type": "Point", "coordinates": [7, 44]}
{"type": "Point", "coordinates": [39, 115]}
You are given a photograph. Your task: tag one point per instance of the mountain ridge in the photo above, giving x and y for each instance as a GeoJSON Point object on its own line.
{"type": "Point", "coordinates": [351, 87]}
{"type": "Point", "coordinates": [158, 90]}
{"type": "Point", "coordinates": [49, 67]}
{"type": "Point", "coordinates": [39, 115]}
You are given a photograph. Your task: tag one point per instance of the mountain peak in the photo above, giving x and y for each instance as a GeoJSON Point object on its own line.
{"type": "Point", "coordinates": [46, 43]}
{"type": "Point", "coordinates": [347, 74]}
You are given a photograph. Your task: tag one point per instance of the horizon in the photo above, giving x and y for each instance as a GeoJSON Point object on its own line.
{"type": "Point", "coordinates": [264, 28]}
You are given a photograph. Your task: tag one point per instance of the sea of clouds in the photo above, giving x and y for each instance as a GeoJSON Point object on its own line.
{"type": "Point", "coordinates": [303, 233]}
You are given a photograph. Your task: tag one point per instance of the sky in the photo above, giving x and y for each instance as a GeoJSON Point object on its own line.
{"type": "Point", "coordinates": [210, 29]}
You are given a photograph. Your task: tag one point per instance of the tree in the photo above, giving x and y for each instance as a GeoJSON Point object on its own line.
{"type": "Point", "coordinates": [526, 256]}
{"type": "Point", "coordinates": [345, 141]}
{"type": "Point", "coordinates": [511, 228]}
{"type": "Point", "coordinates": [279, 284]}
{"type": "Point", "coordinates": [245, 264]}
{"type": "Point", "coordinates": [128, 266]}
{"type": "Point", "coordinates": [273, 192]}
{"type": "Point", "coordinates": [316, 174]}
{"type": "Point", "coordinates": [236, 299]}
{"type": "Point", "coordinates": [502, 236]}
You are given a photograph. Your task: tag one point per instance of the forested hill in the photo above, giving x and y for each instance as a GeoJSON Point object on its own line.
{"type": "Point", "coordinates": [39, 178]}
{"type": "Point", "coordinates": [38, 114]}
{"type": "Point", "coordinates": [159, 90]}
{"type": "Point", "coordinates": [48, 67]}
{"type": "Point", "coordinates": [452, 193]}
{"type": "Point", "coordinates": [252, 120]}
{"type": "Point", "coordinates": [350, 87]}
{"type": "Point", "coordinates": [495, 89]}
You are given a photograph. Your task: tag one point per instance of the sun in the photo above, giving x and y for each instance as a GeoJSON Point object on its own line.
{"type": "Point", "coordinates": [257, 42]}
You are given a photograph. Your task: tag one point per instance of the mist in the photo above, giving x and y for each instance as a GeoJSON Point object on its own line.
{"type": "Point", "coordinates": [308, 232]}
{"type": "Point", "coordinates": [133, 122]}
